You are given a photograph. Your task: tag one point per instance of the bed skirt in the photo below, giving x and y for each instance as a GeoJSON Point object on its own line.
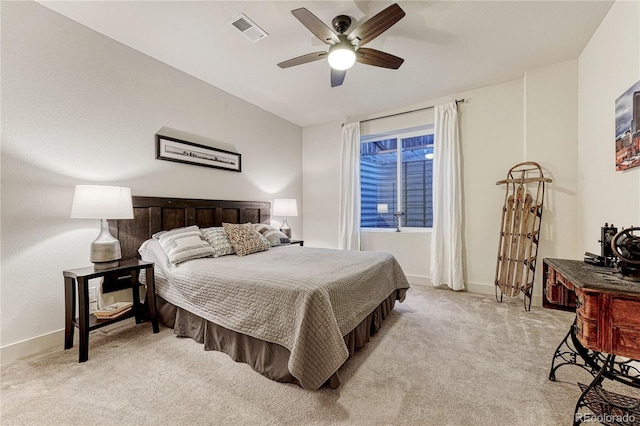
{"type": "Point", "coordinates": [269, 359]}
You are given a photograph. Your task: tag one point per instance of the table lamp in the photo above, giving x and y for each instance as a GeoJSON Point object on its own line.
{"type": "Point", "coordinates": [103, 202]}
{"type": "Point", "coordinates": [285, 207]}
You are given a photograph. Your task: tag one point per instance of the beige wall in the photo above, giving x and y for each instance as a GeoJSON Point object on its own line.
{"type": "Point", "coordinates": [321, 165]}
{"type": "Point", "coordinates": [78, 107]}
{"type": "Point", "coordinates": [609, 66]}
{"type": "Point", "coordinates": [551, 139]}
{"type": "Point", "coordinates": [532, 119]}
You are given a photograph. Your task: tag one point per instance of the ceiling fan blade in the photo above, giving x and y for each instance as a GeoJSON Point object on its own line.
{"type": "Point", "coordinates": [374, 57]}
{"type": "Point", "coordinates": [316, 26]}
{"type": "Point", "coordinates": [377, 24]}
{"type": "Point", "coordinates": [309, 57]}
{"type": "Point", "coordinates": [337, 77]}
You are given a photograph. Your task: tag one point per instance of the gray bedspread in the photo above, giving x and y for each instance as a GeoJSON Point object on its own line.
{"type": "Point", "coordinates": [305, 299]}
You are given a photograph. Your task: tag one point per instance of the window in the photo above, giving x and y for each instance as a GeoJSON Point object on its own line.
{"type": "Point", "coordinates": [395, 176]}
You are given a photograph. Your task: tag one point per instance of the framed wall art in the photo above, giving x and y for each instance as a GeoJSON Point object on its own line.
{"type": "Point", "coordinates": [628, 129]}
{"type": "Point", "coordinates": [172, 149]}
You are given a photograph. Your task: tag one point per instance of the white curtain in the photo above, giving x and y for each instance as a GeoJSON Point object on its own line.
{"type": "Point", "coordinates": [446, 238]}
{"type": "Point", "coordinates": [349, 225]}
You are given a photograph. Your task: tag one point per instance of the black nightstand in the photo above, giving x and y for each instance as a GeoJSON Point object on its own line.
{"type": "Point", "coordinates": [129, 270]}
{"type": "Point", "coordinates": [300, 242]}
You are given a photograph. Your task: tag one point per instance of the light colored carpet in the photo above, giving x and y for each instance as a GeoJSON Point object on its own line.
{"type": "Point", "coordinates": [441, 358]}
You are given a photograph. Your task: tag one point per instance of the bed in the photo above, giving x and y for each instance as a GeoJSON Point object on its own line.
{"type": "Point", "coordinates": [294, 314]}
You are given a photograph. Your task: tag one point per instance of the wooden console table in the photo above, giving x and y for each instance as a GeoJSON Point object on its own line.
{"type": "Point", "coordinates": [606, 328]}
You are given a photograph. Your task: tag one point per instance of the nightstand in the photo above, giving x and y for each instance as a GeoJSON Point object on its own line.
{"type": "Point", "coordinates": [128, 271]}
{"type": "Point", "coordinates": [300, 242]}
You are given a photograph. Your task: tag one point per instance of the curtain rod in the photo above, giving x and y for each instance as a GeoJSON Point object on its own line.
{"type": "Point", "coordinates": [405, 112]}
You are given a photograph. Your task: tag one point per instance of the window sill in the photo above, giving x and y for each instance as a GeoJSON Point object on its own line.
{"type": "Point", "coordinates": [393, 230]}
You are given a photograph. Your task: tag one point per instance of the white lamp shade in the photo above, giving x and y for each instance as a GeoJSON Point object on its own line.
{"type": "Point", "coordinates": [285, 207]}
{"type": "Point", "coordinates": [341, 57]}
{"type": "Point", "coordinates": [383, 208]}
{"type": "Point", "coordinates": [101, 202]}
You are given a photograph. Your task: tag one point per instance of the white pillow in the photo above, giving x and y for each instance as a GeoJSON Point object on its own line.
{"type": "Point", "coordinates": [272, 234]}
{"type": "Point", "coordinates": [152, 251]}
{"type": "Point", "coordinates": [182, 244]}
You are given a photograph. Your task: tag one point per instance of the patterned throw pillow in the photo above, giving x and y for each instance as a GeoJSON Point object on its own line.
{"type": "Point", "coordinates": [217, 238]}
{"type": "Point", "coordinates": [182, 244]}
{"type": "Point", "coordinates": [272, 234]}
{"type": "Point", "coordinates": [245, 239]}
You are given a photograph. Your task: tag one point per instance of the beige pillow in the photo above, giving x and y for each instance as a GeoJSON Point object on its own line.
{"type": "Point", "coordinates": [218, 240]}
{"type": "Point", "coordinates": [182, 244]}
{"type": "Point", "coordinates": [245, 239]}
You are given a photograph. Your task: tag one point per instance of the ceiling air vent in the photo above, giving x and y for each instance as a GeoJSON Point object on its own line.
{"type": "Point", "coordinates": [248, 28]}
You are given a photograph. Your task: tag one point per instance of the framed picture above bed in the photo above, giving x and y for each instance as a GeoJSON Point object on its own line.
{"type": "Point", "coordinates": [180, 151]}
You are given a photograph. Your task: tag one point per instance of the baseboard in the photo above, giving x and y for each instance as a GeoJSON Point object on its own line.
{"type": "Point", "coordinates": [487, 289]}
{"type": "Point", "coordinates": [15, 351]}
{"type": "Point", "coordinates": [490, 290]}
{"type": "Point", "coordinates": [418, 279]}
{"type": "Point", "coordinates": [55, 339]}
{"type": "Point", "coordinates": [481, 288]}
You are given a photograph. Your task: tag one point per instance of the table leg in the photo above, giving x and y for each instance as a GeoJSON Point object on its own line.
{"type": "Point", "coordinates": [69, 311]}
{"type": "Point", "coordinates": [570, 351]}
{"type": "Point", "coordinates": [135, 289]}
{"type": "Point", "coordinates": [83, 301]}
{"type": "Point", "coordinates": [595, 382]}
{"type": "Point", "coordinates": [151, 298]}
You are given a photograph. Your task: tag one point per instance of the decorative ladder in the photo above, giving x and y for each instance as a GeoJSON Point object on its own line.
{"type": "Point", "coordinates": [520, 231]}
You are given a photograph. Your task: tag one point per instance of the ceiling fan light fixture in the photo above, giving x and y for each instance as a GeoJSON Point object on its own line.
{"type": "Point", "coordinates": [347, 49]}
{"type": "Point", "coordinates": [341, 57]}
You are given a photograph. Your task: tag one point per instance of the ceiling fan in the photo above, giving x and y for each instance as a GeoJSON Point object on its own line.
{"type": "Point", "coordinates": [346, 49]}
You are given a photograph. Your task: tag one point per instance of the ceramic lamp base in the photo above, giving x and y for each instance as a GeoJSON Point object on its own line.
{"type": "Point", "coordinates": [285, 229]}
{"type": "Point", "coordinates": [105, 250]}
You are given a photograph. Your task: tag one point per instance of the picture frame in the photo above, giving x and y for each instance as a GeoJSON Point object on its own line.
{"type": "Point", "coordinates": [181, 151]}
{"type": "Point", "coordinates": [627, 126]}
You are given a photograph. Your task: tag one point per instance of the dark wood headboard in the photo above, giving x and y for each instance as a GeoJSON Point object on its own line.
{"type": "Point", "coordinates": [154, 214]}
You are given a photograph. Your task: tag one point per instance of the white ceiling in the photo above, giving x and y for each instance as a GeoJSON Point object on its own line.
{"type": "Point", "coordinates": [448, 47]}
